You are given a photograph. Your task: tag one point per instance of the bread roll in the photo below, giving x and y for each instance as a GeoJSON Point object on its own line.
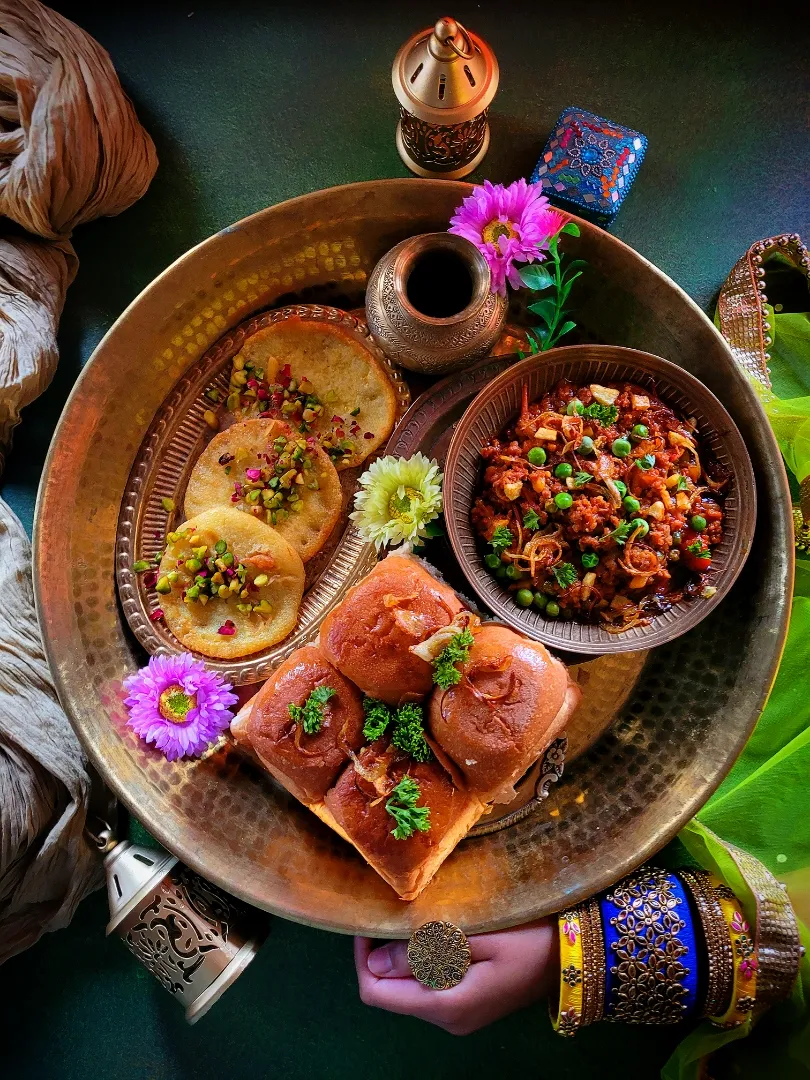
{"type": "Point", "coordinates": [513, 700]}
{"type": "Point", "coordinates": [367, 636]}
{"type": "Point", "coordinates": [355, 806]}
{"type": "Point", "coordinates": [305, 764]}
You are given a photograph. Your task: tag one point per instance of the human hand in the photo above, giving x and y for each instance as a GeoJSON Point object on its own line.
{"type": "Point", "coordinates": [509, 970]}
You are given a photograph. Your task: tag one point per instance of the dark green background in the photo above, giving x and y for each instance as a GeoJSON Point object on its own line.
{"type": "Point", "coordinates": [249, 104]}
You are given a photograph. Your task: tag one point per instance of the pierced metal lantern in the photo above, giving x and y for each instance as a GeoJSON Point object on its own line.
{"type": "Point", "coordinates": [445, 79]}
{"type": "Point", "coordinates": [195, 939]}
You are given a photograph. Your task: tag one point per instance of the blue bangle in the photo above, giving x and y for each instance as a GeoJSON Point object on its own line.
{"type": "Point", "coordinates": [651, 956]}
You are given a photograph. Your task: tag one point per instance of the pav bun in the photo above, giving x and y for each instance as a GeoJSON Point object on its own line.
{"type": "Point", "coordinates": [512, 701]}
{"type": "Point", "coordinates": [368, 636]}
{"type": "Point", "coordinates": [359, 812]}
{"type": "Point", "coordinates": [307, 765]}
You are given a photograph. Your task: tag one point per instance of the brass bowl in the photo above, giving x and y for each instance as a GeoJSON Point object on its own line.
{"type": "Point", "coordinates": [689, 710]}
{"type": "Point", "coordinates": [498, 405]}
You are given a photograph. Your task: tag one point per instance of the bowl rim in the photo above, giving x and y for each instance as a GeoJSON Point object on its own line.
{"type": "Point", "coordinates": [743, 473]}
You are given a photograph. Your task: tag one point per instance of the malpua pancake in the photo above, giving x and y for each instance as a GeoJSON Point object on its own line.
{"type": "Point", "coordinates": [264, 468]}
{"type": "Point", "coordinates": [260, 575]}
{"type": "Point", "coordinates": [357, 395]}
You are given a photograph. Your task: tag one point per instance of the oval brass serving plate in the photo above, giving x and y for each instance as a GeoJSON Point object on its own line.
{"type": "Point", "coordinates": [176, 438]}
{"type": "Point", "coordinates": [498, 404]}
{"type": "Point", "coordinates": [682, 725]}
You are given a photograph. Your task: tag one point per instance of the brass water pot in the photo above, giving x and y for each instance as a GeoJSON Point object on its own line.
{"type": "Point", "coordinates": [429, 304]}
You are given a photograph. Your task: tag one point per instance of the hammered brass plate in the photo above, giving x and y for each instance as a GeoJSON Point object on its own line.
{"type": "Point", "coordinates": [685, 718]}
{"type": "Point", "coordinates": [176, 438]}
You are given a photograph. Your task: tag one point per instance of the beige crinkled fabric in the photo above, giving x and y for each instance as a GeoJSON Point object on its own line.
{"type": "Point", "coordinates": [71, 149]}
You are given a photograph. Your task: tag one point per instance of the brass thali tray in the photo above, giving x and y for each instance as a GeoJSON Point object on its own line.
{"type": "Point", "coordinates": [680, 719]}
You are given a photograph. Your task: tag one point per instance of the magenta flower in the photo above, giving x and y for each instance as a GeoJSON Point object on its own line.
{"type": "Point", "coordinates": [507, 225]}
{"type": "Point", "coordinates": [178, 705]}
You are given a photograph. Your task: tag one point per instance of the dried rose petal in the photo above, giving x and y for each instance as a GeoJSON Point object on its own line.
{"type": "Point", "coordinates": [150, 579]}
{"type": "Point", "coordinates": [227, 629]}
{"type": "Point", "coordinates": [156, 615]}
{"type": "Point", "coordinates": [369, 435]}
{"type": "Point", "coordinates": [253, 474]}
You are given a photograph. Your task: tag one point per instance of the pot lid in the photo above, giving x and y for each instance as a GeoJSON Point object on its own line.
{"type": "Point", "coordinates": [445, 75]}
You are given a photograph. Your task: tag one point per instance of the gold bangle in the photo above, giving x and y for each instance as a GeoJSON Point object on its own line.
{"type": "Point", "coordinates": [744, 984]}
{"type": "Point", "coordinates": [569, 1012]}
{"type": "Point", "coordinates": [593, 963]}
{"type": "Point", "coordinates": [720, 958]}
{"type": "Point", "coordinates": [779, 950]}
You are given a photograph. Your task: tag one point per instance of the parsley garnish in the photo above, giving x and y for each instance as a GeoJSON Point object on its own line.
{"type": "Point", "coordinates": [409, 733]}
{"type": "Point", "coordinates": [683, 484]}
{"type": "Point", "coordinates": [565, 574]}
{"type": "Point", "coordinates": [402, 807]}
{"type": "Point", "coordinates": [408, 724]}
{"type": "Point", "coordinates": [310, 714]}
{"type": "Point", "coordinates": [582, 478]}
{"type": "Point", "coordinates": [501, 539]}
{"type": "Point", "coordinates": [602, 414]}
{"type": "Point", "coordinates": [378, 717]}
{"type": "Point", "coordinates": [531, 520]}
{"type": "Point", "coordinates": [621, 532]}
{"type": "Point", "coordinates": [697, 549]}
{"type": "Point", "coordinates": [456, 651]}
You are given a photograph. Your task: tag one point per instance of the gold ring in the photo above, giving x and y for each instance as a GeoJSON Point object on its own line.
{"type": "Point", "coordinates": [439, 955]}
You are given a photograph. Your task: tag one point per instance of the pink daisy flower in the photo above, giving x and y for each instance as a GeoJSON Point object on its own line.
{"type": "Point", "coordinates": [178, 705]}
{"type": "Point", "coordinates": [507, 225]}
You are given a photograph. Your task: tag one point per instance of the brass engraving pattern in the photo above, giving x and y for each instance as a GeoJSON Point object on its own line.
{"type": "Point", "coordinates": [448, 146]}
{"type": "Point", "coordinates": [438, 955]}
{"type": "Point", "coordinates": [177, 926]}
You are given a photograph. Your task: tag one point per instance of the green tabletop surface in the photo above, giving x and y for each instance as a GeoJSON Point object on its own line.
{"type": "Point", "coordinates": [251, 103]}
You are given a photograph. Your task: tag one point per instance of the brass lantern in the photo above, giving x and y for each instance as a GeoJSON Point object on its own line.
{"type": "Point", "coordinates": [445, 79]}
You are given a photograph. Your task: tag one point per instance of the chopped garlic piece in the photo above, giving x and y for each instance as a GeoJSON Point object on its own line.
{"type": "Point", "coordinates": [603, 394]}
{"type": "Point", "coordinates": [512, 489]}
{"type": "Point", "coordinates": [546, 433]}
{"type": "Point", "coordinates": [640, 401]}
{"type": "Point", "coordinates": [656, 511]}
{"type": "Point", "coordinates": [430, 648]}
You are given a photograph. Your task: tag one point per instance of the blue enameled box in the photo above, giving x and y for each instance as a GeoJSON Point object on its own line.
{"type": "Point", "coordinates": [589, 164]}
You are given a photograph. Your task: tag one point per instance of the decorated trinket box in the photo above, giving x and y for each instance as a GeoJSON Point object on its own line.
{"type": "Point", "coordinates": [589, 164]}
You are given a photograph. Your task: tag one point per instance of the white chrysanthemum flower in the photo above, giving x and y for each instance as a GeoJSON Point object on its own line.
{"type": "Point", "coordinates": [397, 499]}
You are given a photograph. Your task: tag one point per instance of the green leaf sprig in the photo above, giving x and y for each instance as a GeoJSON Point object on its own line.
{"type": "Point", "coordinates": [310, 714]}
{"type": "Point", "coordinates": [531, 520]}
{"type": "Point", "coordinates": [407, 723]}
{"type": "Point", "coordinates": [565, 574]}
{"type": "Point", "coordinates": [552, 275]}
{"type": "Point", "coordinates": [502, 539]}
{"type": "Point", "coordinates": [456, 651]}
{"type": "Point", "coordinates": [602, 414]}
{"type": "Point", "coordinates": [402, 807]}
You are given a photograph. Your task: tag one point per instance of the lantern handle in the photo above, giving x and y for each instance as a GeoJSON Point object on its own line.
{"type": "Point", "coordinates": [451, 43]}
